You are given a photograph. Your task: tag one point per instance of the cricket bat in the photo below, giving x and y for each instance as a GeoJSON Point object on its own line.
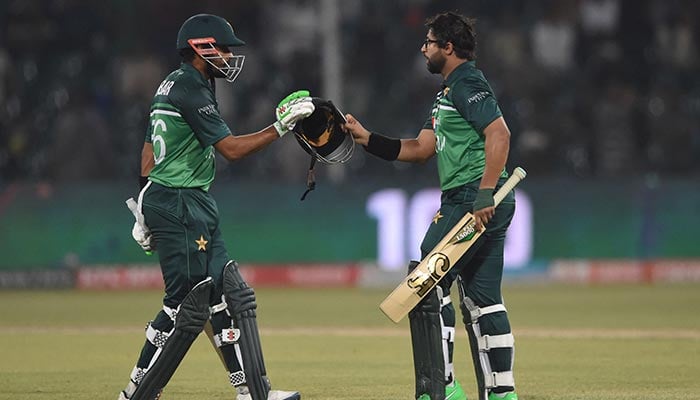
{"type": "Point", "coordinates": [440, 259]}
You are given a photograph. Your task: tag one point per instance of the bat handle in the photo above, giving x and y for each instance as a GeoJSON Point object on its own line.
{"type": "Point", "coordinates": [517, 175]}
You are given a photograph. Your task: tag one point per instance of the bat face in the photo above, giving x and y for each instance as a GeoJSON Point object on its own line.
{"type": "Point", "coordinates": [422, 281]}
{"type": "Point", "coordinates": [432, 269]}
{"type": "Point", "coordinates": [426, 276]}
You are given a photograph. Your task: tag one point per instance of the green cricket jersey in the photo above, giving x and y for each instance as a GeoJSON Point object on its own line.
{"type": "Point", "coordinates": [462, 109]}
{"type": "Point", "coordinates": [184, 124]}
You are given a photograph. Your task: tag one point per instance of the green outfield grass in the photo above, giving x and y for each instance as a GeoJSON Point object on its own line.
{"type": "Point", "coordinates": [611, 342]}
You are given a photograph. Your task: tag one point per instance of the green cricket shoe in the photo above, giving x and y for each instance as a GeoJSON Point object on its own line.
{"type": "Point", "coordinates": [508, 396]}
{"type": "Point", "coordinates": [455, 392]}
{"type": "Point", "coordinates": [452, 392]}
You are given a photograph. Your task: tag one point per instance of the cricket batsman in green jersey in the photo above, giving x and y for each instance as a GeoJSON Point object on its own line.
{"type": "Point", "coordinates": [469, 137]}
{"type": "Point", "coordinates": [178, 218]}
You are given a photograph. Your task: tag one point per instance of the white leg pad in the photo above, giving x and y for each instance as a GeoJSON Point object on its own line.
{"type": "Point", "coordinates": [487, 342]}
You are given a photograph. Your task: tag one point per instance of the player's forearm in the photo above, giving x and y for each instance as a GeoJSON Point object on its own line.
{"type": "Point", "coordinates": [497, 147]}
{"type": "Point", "coordinates": [420, 149]}
{"type": "Point", "coordinates": [413, 151]}
{"type": "Point", "coordinates": [236, 147]}
{"type": "Point", "coordinates": [147, 159]}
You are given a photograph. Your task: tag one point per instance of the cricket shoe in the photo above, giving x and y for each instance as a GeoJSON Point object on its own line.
{"type": "Point", "coordinates": [455, 392]}
{"type": "Point", "coordinates": [503, 396]}
{"type": "Point", "coordinates": [244, 394]}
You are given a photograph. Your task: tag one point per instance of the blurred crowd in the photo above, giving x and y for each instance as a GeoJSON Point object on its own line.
{"type": "Point", "coordinates": [589, 88]}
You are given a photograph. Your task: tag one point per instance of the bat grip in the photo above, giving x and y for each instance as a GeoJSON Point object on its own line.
{"type": "Point", "coordinates": [517, 175]}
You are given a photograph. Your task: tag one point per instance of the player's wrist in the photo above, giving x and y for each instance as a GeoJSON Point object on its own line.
{"type": "Point", "coordinates": [383, 147]}
{"type": "Point", "coordinates": [281, 128]}
{"type": "Point", "coordinates": [484, 199]}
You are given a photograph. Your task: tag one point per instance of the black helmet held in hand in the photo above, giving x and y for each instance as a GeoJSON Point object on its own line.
{"type": "Point", "coordinates": [321, 135]}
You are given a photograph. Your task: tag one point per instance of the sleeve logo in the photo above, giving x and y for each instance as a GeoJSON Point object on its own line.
{"type": "Point", "coordinates": [478, 97]}
{"type": "Point", "coordinates": [208, 109]}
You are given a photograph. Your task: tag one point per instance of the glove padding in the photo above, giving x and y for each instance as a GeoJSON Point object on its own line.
{"type": "Point", "coordinates": [140, 232]}
{"type": "Point", "coordinates": [291, 109]}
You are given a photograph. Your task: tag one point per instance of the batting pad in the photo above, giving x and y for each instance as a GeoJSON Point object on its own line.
{"type": "Point", "coordinates": [426, 339]}
{"type": "Point", "coordinates": [189, 322]}
{"type": "Point", "coordinates": [240, 300]}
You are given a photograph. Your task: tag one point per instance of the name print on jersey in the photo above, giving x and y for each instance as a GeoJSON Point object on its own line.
{"type": "Point", "coordinates": [164, 88]}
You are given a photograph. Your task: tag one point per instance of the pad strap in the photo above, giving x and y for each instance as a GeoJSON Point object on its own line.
{"type": "Point", "coordinates": [488, 342]}
{"type": "Point", "coordinates": [236, 378]}
{"type": "Point", "coordinates": [448, 333]}
{"type": "Point", "coordinates": [476, 312]}
{"type": "Point", "coordinates": [171, 312]}
{"type": "Point", "coordinates": [155, 336]}
{"type": "Point", "coordinates": [445, 301]}
{"type": "Point", "coordinates": [137, 375]}
{"type": "Point", "coordinates": [496, 379]}
{"type": "Point", "coordinates": [215, 309]}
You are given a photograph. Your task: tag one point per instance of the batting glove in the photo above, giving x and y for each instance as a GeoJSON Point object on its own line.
{"type": "Point", "coordinates": [291, 109]}
{"type": "Point", "coordinates": [140, 232]}
{"type": "Point", "coordinates": [143, 237]}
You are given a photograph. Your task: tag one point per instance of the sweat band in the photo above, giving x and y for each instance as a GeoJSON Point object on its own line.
{"type": "Point", "coordinates": [383, 147]}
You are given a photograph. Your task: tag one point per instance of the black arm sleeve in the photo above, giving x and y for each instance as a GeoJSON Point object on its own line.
{"type": "Point", "coordinates": [383, 147]}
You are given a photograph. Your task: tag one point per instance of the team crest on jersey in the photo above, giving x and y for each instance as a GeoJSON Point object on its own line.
{"type": "Point", "coordinates": [436, 121]}
{"type": "Point", "coordinates": [201, 243]}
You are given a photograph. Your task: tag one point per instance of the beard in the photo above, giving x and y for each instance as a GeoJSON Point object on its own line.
{"type": "Point", "coordinates": [435, 66]}
{"type": "Point", "coordinates": [214, 72]}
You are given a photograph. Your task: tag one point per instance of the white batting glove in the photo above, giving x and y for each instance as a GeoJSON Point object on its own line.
{"type": "Point", "coordinates": [142, 237]}
{"type": "Point", "coordinates": [140, 232]}
{"type": "Point", "coordinates": [291, 109]}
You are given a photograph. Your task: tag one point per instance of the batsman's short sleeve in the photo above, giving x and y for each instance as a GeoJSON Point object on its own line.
{"type": "Point", "coordinates": [149, 132]}
{"type": "Point", "coordinates": [475, 101]}
{"type": "Point", "coordinates": [429, 122]}
{"type": "Point", "coordinates": [201, 111]}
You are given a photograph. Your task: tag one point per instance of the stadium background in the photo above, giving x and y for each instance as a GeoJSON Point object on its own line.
{"type": "Point", "coordinates": [602, 98]}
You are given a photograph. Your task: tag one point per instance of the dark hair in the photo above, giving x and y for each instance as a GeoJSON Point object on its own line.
{"type": "Point", "coordinates": [456, 29]}
{"type": "Point", "coordinates": [187, 54]}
